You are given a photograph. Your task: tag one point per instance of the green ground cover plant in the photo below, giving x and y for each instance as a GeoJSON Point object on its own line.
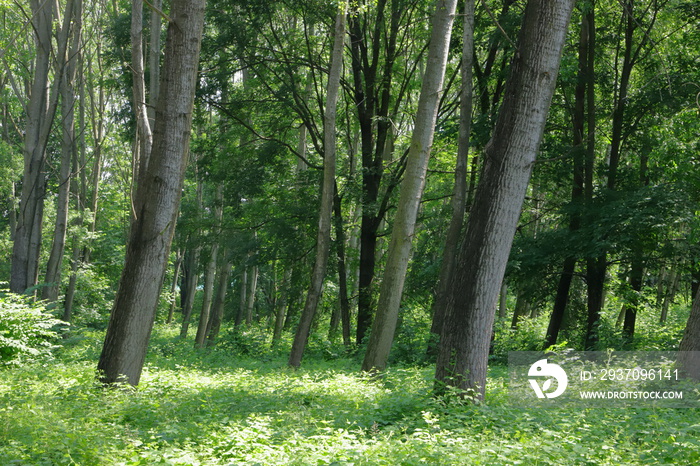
{"type": "Point", "coordinates": [222, 407]}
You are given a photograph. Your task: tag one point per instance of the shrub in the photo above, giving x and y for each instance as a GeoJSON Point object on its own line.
{"type": "Point", "coordinates": [27, 331]}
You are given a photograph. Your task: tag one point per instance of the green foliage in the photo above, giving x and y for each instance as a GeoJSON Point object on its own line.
{"type": "Point", "coordinates": [218, 408]}
{"type": "Point", "coordinates": [27, 331]}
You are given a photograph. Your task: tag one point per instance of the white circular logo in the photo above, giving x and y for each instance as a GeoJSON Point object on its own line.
{"type": "Point", "coordinates": [542, 368]}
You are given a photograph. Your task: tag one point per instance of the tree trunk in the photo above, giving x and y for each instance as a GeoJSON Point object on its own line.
{"type": "Point", "coordinates": [217, 314]}
{"type": "Point", "coordinates": [509, 156]}
{"type": "Point", "coordinates": [373, 100]}
{"type": "Point", "coordinates": [250, 303]}
{"type": "Point", "coordinates": [210, 274]}
{"type": "Point", "coordinates": [689, 349]}
{"type": "Point", "coordinates": [580, 139]}
{"type": "Point", "coordinates": [157, 201]}
{"type": "Point", "coordinates": [244, 300]}
{"type": "Point", "coordinates": [343, 299]}
{"type": "Point", "coordinates": [144, 134]}
{"type": "Point", "coordinates": [323, 238]}
{"type": "Point", "coordinates": [459, 193]}
{"type": "Point", "coordinates": [68, 149]}
{"type": "Point", "coordinates": [281, 306]}
{"type": "Point", "coordinates": [40, 114]}
{"type": "Point", "coordinates": [384, 325]}
{"type": "Point", "coordinates": [190, 274]}
{"type": "Point", "coordinates": [173, 286]}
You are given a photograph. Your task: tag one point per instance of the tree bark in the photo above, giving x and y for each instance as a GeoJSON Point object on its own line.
{"type": "Point", "coordinates": [217, 314]}
{"type": "Point", "coordinates": [52, 277]}
{"type": "Point", "coordinates": [384, 325]}
{"type": "Point", "coordinates": [157, 201]}
{"type": "Point", "coordinates": [459, 192]}
{"type": "Point", "coordinates": [190, 271]}
{"type": "Point", "coordinates": [173, 287]}
{"type": "Point", "coordinates": [210, 275]}
{"type": "Point", "coordinates": [509, 156]}
{"type": "Point", "coordinates": [40, 113]}
{"type": "Point", "coordinates": [144, 134]}
{"type": "Point", "coordinates": [689, 350]}
{"type": "Point", "coordinates": [580, 138]}
{"type": "Point", "coordinates": [323, 237]}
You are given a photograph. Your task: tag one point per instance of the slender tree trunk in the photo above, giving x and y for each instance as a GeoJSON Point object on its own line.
{"type": "Point", "coordinates": [144, 134]}
{"type": "Point", "coordinates": [281, 306]}
{"type": "Point", "coordinates": [577, 191]}
{"type": "Point", "coordinates": [384, 325]}
{"type": "Point", "coordinates": [217, 314]}
{"type": "Point", "coordinates": [509, 156]}
{"type": "Point", "coordinates": [243, 300]}
{"type": "Point", "coordinates": [670, 294]}
{"type": "Point", "coordinates": [157, 201]}
{"type": "Point", "coordinates": [344, 301]}
{"type": "Point", "coordinates": [210, 274]}
{"type": "Point", "coordinates": [252, 288]}
{"type": "Point", "coordinates": [190, 271]}
{"type": "Point", "coordinates": [173, 286]}
{"type": "Point", "coordinates": [68, 149]}
{"type": "Point", "coordinates": [154, 59]}
{"type": "Point", "coordinates": [372, 96]}
{"type": "Point", "coordinates": [323, 238]}
{"type": "Point", "coordinates": [459, 193]}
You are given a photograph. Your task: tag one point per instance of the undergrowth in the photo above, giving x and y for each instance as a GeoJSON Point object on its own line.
{"type": "Point", "coordinates": [227, 406]}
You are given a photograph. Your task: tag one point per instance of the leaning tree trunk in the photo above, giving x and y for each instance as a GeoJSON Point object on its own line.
{"type": "Point", "coordinates": [323, 238]}
{"type": "Point", "coordinates": [157, 201]}
{"type": "Point", "coordinates": [509, 157]}
{"type": "Point", "coordinates": [384, 325]}
{"type": "Point", "coordinates": [459, 192]}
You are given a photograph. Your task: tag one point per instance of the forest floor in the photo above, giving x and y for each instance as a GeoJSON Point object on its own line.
{"type": "Point", "coordinates": [224, 407]}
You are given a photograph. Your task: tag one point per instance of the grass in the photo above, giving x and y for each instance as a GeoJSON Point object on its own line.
{"type": "Point", "coordinates": [219, 407]}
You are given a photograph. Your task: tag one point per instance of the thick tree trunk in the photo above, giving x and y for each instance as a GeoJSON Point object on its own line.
{"type": "Point", "coordinates": [384, 325]}
{"type": "Point", "coordinates": [509, 156]}
{"type": "Point", "coordinates": [323, 238]}
{"type": "Point", "coordinates": [689, 349]}
{"type": "Point", "coordinates": [459, 193]}
{"type": "Point", "coordinates": [157, 201]}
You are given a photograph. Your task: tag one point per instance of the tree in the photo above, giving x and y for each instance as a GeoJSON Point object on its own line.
{"type": "Point", "coordinates": [327, 194]}
{"type": "Point", "coordinates": [41, 110]}
{"type": "Point", "coordinates": [459, 193]}
{"type": "Point", "coordinates": [508, 160]}
{"type": "Point", "coordinates": [384, 324]}
{"type": "Point", "coordinates": [156, 202]}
